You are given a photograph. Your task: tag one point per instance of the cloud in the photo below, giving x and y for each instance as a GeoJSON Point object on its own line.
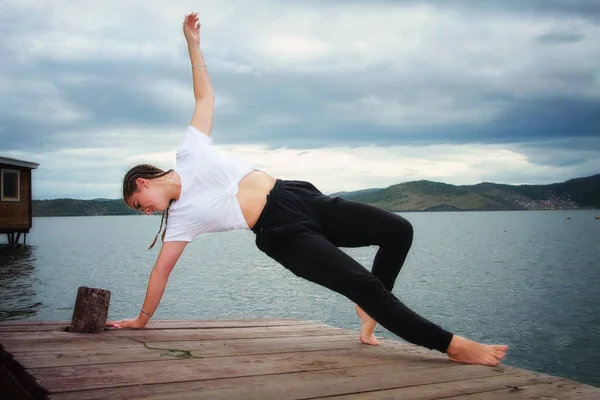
{"type": "Point", "coordinates": [589, 9]}
{"type": "Point", "coordinates": [98, 172]}
{"type": "Point", "coordinates": [521, 77]}
{"type": "Point", "coordinates": [560, 37]}
{"type": "Point", "coordinates": [293, 48]}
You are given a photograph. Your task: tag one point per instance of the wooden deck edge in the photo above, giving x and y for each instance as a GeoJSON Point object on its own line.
{"type": "Point", "coordinates": [18, 382]}
{"type": "Point", "coordinates": [11, 388]}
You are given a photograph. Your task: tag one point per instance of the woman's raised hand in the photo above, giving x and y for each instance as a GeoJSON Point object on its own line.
{"type": "Point", "coordinates": [191, 28]}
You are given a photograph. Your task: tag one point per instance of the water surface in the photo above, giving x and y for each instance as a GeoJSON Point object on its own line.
{"type": "Point", "coordinates": [529, 279]}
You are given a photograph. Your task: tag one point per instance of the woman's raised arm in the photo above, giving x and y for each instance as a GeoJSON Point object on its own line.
{"type": "Point", "coordinates": [203, 92]}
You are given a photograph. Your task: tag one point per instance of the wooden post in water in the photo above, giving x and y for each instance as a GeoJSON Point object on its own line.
{"type": "Point", "coordinates": [91, 310]}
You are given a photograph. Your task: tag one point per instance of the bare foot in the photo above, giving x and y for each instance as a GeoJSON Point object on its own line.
{"type": "Point", "coordinates": [469, 352]}
{"type": "Point", "coordinates": [368, 326]}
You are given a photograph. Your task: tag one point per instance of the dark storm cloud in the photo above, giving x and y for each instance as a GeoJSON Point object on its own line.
{"type": "Point", "coordinates": [111, 95]}
{"type": "Point", "coordinates": [521, 119]}
{"type": "Point", "coordinates": [560, 37]}
{"type": "Point", "coordinates": [588, 9]}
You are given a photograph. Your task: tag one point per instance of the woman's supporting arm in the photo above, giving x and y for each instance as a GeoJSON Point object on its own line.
{"type": "Point", "coordinates": [203, 92]}
{"type": "Point", "coordinates": [167, 258]}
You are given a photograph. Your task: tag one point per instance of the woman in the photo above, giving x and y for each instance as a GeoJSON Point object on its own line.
{"type": "Point", "coordinates": [295, 224]}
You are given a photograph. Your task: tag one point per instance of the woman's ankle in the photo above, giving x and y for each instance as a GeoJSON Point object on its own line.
{"type": "Point", "coordinates": [456, 345]}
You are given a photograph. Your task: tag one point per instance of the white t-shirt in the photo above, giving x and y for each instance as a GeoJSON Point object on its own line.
{"type": "Point", "coordinates": [209, 186]}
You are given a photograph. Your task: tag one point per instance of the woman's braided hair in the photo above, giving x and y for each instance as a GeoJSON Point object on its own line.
{"type": "Point", "coordinates": [145, 171]}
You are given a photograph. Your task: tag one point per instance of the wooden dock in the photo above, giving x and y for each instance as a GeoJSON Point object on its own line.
{"type": "Point", "coordinates": [248, 359]}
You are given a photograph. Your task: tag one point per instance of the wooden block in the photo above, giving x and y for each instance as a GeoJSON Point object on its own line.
{"type": "Point", "coordinates": [91, 310]}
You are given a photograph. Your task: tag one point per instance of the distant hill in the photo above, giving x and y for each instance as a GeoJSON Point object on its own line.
{"type": "Point", "coordinates": [354, 193]}
{"type": "Point", "coordinates": [73, 207]}
{"type": "Point", "coordinates": [421, 195]}
{"type": "Point", "coordinates": [436, 196]}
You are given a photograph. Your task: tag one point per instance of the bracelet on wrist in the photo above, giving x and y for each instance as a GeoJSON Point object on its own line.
{"type": "Point", "coordinates": [145, 312]}
{"type": "Point", "coordinates": [199, 65]}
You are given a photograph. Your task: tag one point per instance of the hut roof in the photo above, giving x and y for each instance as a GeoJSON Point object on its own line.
{"type": "Point", "coordinates": [18, 163]}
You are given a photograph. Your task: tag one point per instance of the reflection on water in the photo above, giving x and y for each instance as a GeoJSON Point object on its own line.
{"type": "Point", "coordinates": [17, 281]}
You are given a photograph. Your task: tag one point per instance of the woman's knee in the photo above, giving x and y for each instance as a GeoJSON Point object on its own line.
{"type": "Point", "coordinates": [407, 229]}
{"type": "Point", "coordinates": [400, 233]}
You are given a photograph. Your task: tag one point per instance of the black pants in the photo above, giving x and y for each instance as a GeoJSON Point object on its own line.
{"type": "Point", "coordinates": [301, 228]}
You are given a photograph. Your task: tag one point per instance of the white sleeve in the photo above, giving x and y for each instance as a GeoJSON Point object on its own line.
{"type": "Point", "coordinates": [176, 232]}
{"type": "Point", "coordinates": [200, 137]}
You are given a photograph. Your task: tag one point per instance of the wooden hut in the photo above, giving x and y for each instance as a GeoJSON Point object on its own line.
{"type": "Point", "coordinates": [15, 198]}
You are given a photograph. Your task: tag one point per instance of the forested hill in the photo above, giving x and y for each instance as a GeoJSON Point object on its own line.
{"type": "Point", "coordinates": [73, 207]}
{"type": "Point", "coordinates": [409, 196]}
{"type": "Point", "coordinates": [436, 196]}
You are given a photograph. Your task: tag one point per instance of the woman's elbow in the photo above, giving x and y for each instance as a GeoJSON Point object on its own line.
{"type": "Point", "coordinates": [205, 96]}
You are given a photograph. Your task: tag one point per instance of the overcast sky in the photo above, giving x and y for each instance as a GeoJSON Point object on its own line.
{"type": "Point", "coordinates": [347, 94]}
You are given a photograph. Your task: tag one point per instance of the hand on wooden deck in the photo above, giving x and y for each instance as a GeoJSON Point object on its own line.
{"type": "Point", "coordinates": [127, 323]}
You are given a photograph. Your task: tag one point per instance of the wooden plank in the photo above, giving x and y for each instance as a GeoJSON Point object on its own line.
{"type": "Point", "coordinates": [590, 396]}
{"type": "Point", "coordinates": [33, 348]}
{"type": "Point", "coordinates": [6, 338]}
{"type": "Point", "coordinates": [124, 344]}
{"type": "Point", "coordinates": [228, 323]}
{"type": "Point", "coordinates": [560, 389]}
{"type": "Point", "coordinates": [390, 378]}
{"type": "Point", "coordinates": [461, 389]}
{"type": "Point", "coordinates": [199, 322]}
{"type": "Point", "coordinates": [140, 373]}
{"type": "Point", "coordinates": [288, 386]}
{"type": "Point", "coordinates": [157, 350]}
{"type": "Point", "coordinates": [161, 324]}
{"type": "Point", "coordinates": [84, 352]}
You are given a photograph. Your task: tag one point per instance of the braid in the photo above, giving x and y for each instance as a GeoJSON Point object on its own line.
{"type": "Point", "coordinates": [145, 171]}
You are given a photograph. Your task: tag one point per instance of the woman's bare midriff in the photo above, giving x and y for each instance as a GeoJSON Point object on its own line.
{"type": "Point", "coordinates": [252, 194]}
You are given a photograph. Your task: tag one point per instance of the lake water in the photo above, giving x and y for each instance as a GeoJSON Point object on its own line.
{"type": "Point", "coordinates": [530, 279]}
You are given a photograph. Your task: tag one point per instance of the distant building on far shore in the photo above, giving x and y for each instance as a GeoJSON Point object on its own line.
{"type": "Point", "coordinates": [15, 198]}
